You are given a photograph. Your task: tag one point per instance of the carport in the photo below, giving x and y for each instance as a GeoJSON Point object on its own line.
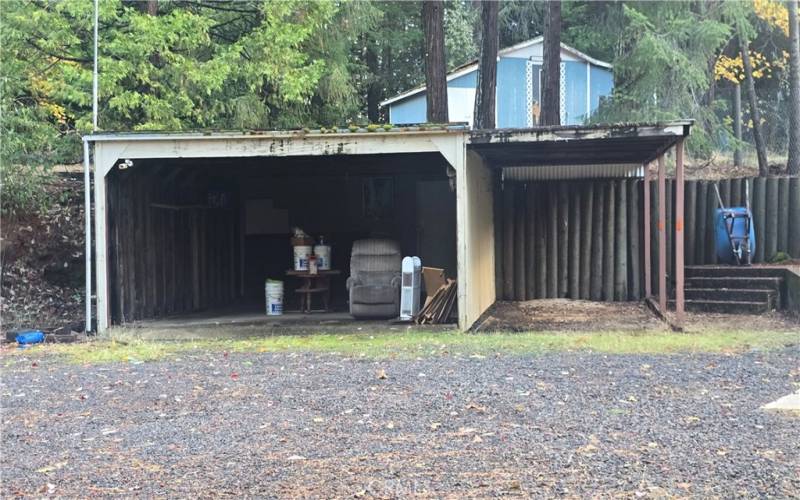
{"type": "Point", "coordinates": [163, 246]}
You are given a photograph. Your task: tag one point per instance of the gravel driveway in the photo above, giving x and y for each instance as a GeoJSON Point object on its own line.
{"type": "Point", "coordinates": [286, 425]}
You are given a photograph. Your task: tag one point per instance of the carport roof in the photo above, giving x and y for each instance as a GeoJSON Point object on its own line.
{"type": "Point", "coordinates": [631, 144]}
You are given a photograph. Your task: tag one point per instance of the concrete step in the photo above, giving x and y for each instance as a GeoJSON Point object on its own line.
{"type": "Point", "coordinates": [726, 306]}
{"type": "Point", "coordinates": [732, 294]}
{"type": "Point", "coordinates": [738, 283]}
{"type": "Point", "coordinates": [733, 272]}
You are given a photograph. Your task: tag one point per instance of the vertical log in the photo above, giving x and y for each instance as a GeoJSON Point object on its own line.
{"type": "Point", "coordinates": [711, 218]}
{"type": "Point", "coordinates": [574, 243]}
{"type": "Point", "coordinates": [783, 214]}
{"type": "Point", "coordinates": [794, 217]}
{"type": "Point", "coordinates": [725, 191]}
{"type": "Point", "coordinates": [530, 240]}
{"type": "Point", "coordinates": [508, 242]}
{"type": "Point", "coordinates": [621, 243]}
{"type": "Point", "coordinates": [498, 207]}
{"type": "Point", "coordinates": [608, 242]}
{"type": "Point", "coordinates": [690, 211]}
{"type": "Point", "coordinates": [702, 223]}
{"type": "Point", "coordinates": [519, 241]}
{"type": "Point", "coordinates": [736, 194]}
{"type": "Point", "coordinates": [598, 217]}
{"type": "Point", "coordinates": [587, 210]}
{"type": "Point", "coordinates": [563, 244]}
{"type": "Point", "coordinates": [771, 243]}
{"type": "Point", "coordinates": [542, 214]}
{"type": "Point", "coordinates": [759, 216]}
{"type": "Point", "coordinates": [635, 252]}
{"type": "Point", "coordinates": [552, 243]}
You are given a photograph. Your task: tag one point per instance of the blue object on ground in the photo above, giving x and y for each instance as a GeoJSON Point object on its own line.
{"type": "Point", "coordinates": [730, 228]}
{"type": "Point", "coordinates": [30, 337]}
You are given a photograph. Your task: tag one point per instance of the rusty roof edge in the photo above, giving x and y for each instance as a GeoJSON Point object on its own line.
{"type": "Point", "coordinates": [566, 132]}
{"type": "Point", "coordinates": [422, 129]}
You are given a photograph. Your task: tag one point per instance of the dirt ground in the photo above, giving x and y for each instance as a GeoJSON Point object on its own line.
{"type": "Point", "coordinates": [584, 315]}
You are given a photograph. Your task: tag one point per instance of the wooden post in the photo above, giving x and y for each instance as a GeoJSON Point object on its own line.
{"type": "Point", "coordinates": [563, 244]}
{"type": "Point", "coordinates": [508, 242]}
{"type": "Point", "coordinates": [771, 221]}
{"type": "Point", "coordinates": [552, 243]}
{"type": "Point", "coordinates": [794, 224]}
{"type": "Point", "coordinates": [662, 236]}
{"type": "Point", "coordinates": [635, 254]}
{"type": "Point", "coordinates": [648, 258]}
{"type": "Point", "coordinates": [519, 242]}
{"type": "Point", "coordinates": [574, 244]}
{"type": "Point", "coordinates": [783, 215]}
{"type": "Point", "coordinates": [679, 216]}
{"type": "Point", "coordinates": [711, 220]}
{"type": "Point", "coordinates": [691, 210]}
{"type": "Point", "coordinates": [702, 218]}
{"type": "Point", "coordinates": [540, 246]}
{"type": "Point", "coordinates": [759, 216]}
{"type": "Point", "coordinates": [530, 240]}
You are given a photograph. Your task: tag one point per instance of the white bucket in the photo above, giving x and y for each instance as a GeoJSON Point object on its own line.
{"type": "Point", "coordinates": [274, 293]}
{"type": "Point", "coordinates": [301, 254]}
{"type": "Point", "coordinates": [323, 253]}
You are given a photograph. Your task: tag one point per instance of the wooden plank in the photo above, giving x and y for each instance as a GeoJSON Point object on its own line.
{"type": "Point", "coordinates": [563, 243]}
{"type": "Point", "coordinates": [586, 240]}
{"type": "Point", "coordinates": [621, 242]}
{"type": "Point", "coordinates": [725, 191]}
{"type": "Point", "coordinates": [670, 231]}
{"type": "Point", "coordinates": [608, 242]}
{"type": "Point", "coordinates": [598, 216]}
{"type": "Point", "coordinates": [736, 196]}
{"type": "Point", "coordinates": [654, 231]}
{"type": "Point", "coordinates": [771, 237]}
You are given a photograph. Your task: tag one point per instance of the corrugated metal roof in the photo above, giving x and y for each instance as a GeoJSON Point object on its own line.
{"type": "Point", "coordinates": [559, 172]}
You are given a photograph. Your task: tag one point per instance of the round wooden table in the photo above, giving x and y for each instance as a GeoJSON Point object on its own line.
{"type": "Point", "coordinates": [319, 283]}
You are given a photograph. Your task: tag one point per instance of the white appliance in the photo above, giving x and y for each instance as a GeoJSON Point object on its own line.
{"type": "Point", "coordinates": [410, 288]}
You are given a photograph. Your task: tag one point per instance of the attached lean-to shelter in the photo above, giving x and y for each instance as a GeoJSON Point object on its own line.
{"type": "Point", "coordinates": [188, 222]}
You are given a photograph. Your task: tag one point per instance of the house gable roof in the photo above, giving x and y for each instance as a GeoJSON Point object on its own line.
{"type": "Point", "coordinates": [472, 66]}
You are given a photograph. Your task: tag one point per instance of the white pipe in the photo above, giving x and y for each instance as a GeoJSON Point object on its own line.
{"type": "Point", "coordinates": [87, 208]}
{"type": "Point", "coordinates": [94, 71]}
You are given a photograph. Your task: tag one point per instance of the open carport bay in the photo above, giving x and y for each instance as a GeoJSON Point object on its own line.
{"type": "Point", "coordinates": [189, 235]}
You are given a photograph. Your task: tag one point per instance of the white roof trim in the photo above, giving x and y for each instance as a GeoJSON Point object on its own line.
{"type": "Point", "coordinates": [504, 52]}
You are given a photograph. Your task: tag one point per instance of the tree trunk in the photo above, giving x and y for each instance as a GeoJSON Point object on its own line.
{"type": "Point", "coordinates": [755, 115]}
{"type": "Point", "coordinates": [374, 88]}
{"type": "Point", "coordinates": [793, 164]}
{"type": "Point", "coordinates": [737, 124]}
{"type": "Point", "coordinates": [435, 64]}
{"type": "Point", "coordinates": [487, 69]}
{"type": "Point", "coordinates": [551, 65]}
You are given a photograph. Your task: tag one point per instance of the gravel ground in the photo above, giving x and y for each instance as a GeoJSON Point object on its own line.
{"type": "Point", "coordinates": [289, 425]}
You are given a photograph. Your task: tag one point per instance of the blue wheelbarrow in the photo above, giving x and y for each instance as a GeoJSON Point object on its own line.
{"type": "Point", "coordinates": [734, 232]}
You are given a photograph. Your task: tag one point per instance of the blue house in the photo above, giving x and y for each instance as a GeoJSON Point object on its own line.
{"type": "Point", "coordinates": [584, 81]}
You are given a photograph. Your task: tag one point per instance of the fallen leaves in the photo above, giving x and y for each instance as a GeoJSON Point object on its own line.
{"type": "Point", "coordinates": [51, 468]}
{"type": "Point", "coordinates": [381, 374]}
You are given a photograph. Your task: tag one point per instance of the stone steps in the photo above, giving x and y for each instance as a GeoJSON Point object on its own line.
{"type": "Point", "coordinates": [732, 289]}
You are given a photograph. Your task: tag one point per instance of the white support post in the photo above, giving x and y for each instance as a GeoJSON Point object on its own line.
{"type": "Point", "coordinates": [87, 215]}
{"type": "Point", "coordinates": [101, 241]}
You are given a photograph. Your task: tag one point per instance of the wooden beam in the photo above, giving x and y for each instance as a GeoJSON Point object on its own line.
{"type": "Point", "coordinates": [662, 235]}
{"type": "Point", "coordinates": [679, 216]}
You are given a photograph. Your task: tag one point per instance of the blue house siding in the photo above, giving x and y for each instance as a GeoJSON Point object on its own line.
{"type": "Point", "coordinates": [601, 84]}
{"type": "Point", "coordinates": [512, 90]}
{"type": "Point", "coordinates": [411, 110]}
{"type": "Point", "coordinates": [575, 88]}
{"type": "Point", "coordinates": [468, 81]}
